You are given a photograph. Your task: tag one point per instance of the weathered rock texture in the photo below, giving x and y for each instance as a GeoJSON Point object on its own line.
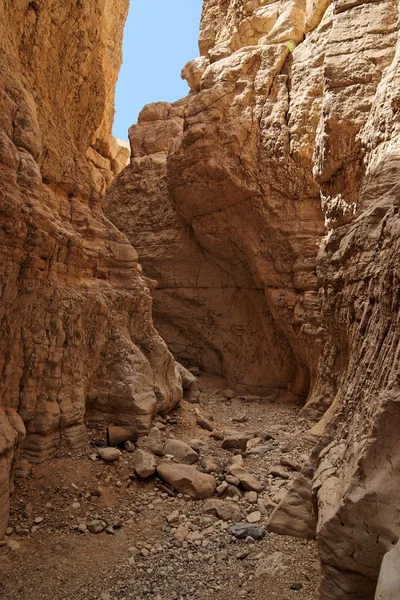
{"type": "Point", "coordinates": [267, 205]}
{"type": "Point", "coordinates": [76, 332]}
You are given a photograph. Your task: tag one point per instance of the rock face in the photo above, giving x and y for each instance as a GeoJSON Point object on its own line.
{"type": "Point", "coordinates": [266, 204]}
{"type": "Point", "coordinates": [210, 313]}
{"type": "Point", "coordinates": [76, 332]}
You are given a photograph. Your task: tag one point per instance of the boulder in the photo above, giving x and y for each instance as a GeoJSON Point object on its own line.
{"type": "Point", "coordinates": [237, 441]}
{"type": "Point", "coordinates": [295, 515]}
{"type": "Point", "coordinates": [182, 452]}
{"type": "Point", "coordinates": [247, 481]}
{"type": "Point", "coordinates": [188, 480]}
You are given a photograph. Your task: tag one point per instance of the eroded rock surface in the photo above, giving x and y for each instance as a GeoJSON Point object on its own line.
{"type": "Point", "coordinates": [281, 174]}
{"type": "Point", "coordinates": [76, 332]}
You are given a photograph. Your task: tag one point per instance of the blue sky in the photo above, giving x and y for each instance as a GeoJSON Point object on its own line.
{"type": "Point", "coordinates": [160, 38]}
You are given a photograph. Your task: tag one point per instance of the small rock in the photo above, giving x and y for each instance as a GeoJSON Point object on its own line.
{"type": "Point", "coordinates": [153, 442]}
{"type": "Point", "coordinates": [279, 472]}
{"type": "Point", "coordinates": [237, 441]}
{"type": "Point", "coordinates": [238, 460]}
{"type": "Point", "coordinates": [82, 528]}
{"type": "Point", "coordinates": [254, 517]}
{"type": "Point", "coordinates": [211, 465]}
{"type": "Point", "coordinates": [243, 554]}
{"type": "Point", "coordinates": [197, 444]}
{"type": "Point", "coordinates": [23, 469]}
{"type": "Point", "coordinates": [228, 394]}
{"type": "Point", "coordinates": [222, 488]}
{"type": "Point", "coordinates": [232, 480]}
{"type": "Point", "coordinates": [244, 530]}
{"type": "Point", "coordinates": [290, 464]}
{"type": "Point", "coordinates": [173, 517]}
{"type": "Point", "coordinates": [227, 511]}
{"type": "Point", "coordinates": [221, 556]}
{"type": "Point", "coordinates": [144, 463]}
{"type": "Point", "coordinates": [259, 450]}
{"type": "Point", "coordinates": [181, 533]}
{"type": "Point", "coordinates": [296, 587]}
{"type": "Point", "coordinates": [247, 481]}
{"type": "Point", "coordinates": [252, 497]}
{"type": "Point", "coordinates": [109, 454]}
{"type": "Point", "coordinates": [129, 446]}
{"type": "Point", "coordinates": [204, 423]}
{"type": "Point", "coordinates": [38, 520]}
{"type": "Point", "coordinates": [182, 452]}
{"type": "Point", "coordinates": [217, 435]}
{"type": "Point", "coordinates": [96, 526]}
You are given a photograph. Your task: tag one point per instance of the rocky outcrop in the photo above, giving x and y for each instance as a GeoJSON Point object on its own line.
{"type": "Point", "coordinates": [279, 179]}
{"type": "Point", "coordinates": [76, 333]}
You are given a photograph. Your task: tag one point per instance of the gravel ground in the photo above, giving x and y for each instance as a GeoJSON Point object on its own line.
{"type": "Point", "coordinates": [156, 544]}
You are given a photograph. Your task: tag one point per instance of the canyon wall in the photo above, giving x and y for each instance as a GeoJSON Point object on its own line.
{"type": "Point", "coordinates": [266, 204]}
{"type": "Point", "coordinates": [76, 333]}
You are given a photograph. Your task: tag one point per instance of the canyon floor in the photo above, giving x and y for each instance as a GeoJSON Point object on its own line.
{"type": "Point", "coordinates": [46, 557]}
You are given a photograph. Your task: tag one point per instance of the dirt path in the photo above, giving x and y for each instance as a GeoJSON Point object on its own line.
{"type": "Point", "coordinates": [47, 558]}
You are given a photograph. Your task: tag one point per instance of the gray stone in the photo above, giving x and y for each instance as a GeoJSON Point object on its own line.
{"type": "Point", "coordinates": [244, 530]}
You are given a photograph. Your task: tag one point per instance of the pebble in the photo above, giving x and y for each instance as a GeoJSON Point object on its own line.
{"type": "Point", "coordinates": [296, 587]}
{"type": "Point", "coordinates": [254, 517]}
{"type": "Point", "coordinates": [109, 454]}
{"type": "Point", "coordinates": [204, 423]}
{"type": "Point", "coordinates": [173, 517]}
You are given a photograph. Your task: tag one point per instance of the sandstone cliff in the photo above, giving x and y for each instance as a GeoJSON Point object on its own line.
{"type": "Point", "coordinates": [266, 204]}
{"type": "Point", "coordinates": [76, 332]}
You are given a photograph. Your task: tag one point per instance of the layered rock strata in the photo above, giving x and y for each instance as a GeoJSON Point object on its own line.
{"type": "Point", "coordinates": [76, 333]}
{"type": "Point", "coordinates": [280, 175]}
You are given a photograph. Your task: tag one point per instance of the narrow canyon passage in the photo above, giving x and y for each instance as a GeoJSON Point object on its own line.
{"type": "Point", "coordinates": [227, 290]}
